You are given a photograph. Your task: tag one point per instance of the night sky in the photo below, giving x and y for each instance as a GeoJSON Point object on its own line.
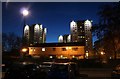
{"type": "Point", "coordinates": [56, 17]}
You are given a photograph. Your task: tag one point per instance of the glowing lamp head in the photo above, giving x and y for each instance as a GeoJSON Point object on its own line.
{"type": "Point", "coordinates": [24, 50]}
{"type": "Point", "coordinates": [25, 12]}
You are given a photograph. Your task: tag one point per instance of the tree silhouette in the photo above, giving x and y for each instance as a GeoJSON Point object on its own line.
{"type": "Point", "coordinates": [108, 29]}
{"type": "Point", "coordinates": [10, 42]}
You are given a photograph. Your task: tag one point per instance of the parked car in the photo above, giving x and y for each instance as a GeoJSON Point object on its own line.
{"type": "Point", "coordinates": [24, 71]}
{"type": "Point", "coordinates": [75, 68]}
{"type": "Point", "coordinates": [13, 72]}
{"type": "Point", "coordinates": [31, 71]}
{"type": "Point", "coordinates": [45, 66]}
{"type": "Point", "coordinates": [61, 71]}
{"type": "Point", "coordinates": [116, 72]}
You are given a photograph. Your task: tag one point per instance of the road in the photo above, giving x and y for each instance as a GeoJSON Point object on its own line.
{"type": "Point", "coordinates": [97, 73]}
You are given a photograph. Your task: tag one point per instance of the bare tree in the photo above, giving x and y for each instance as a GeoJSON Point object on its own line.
{"type": "Point", "coordinates": [108, 28]}
{"type": "Point", "coordinates": [11, 41]}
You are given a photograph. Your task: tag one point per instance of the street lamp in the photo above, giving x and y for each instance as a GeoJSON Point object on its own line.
{"type": "Point", "coordinates": [24, 50]}
{"type": "Point", "coordinates": [24, 12]}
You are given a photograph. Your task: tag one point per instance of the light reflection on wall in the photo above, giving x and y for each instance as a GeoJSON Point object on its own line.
{"type": "Point", "coordinates": [60, 39]}
{"type": "Point", "coordinates": [26, 31]}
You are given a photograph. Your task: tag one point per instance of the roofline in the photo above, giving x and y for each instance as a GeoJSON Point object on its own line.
{"type": "Point", "coordinates": [57, 44]}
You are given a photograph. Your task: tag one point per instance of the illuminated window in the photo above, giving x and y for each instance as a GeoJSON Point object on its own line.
{"type": "Point", "coordinates": [87, 54]}
{"type": "Point", "coordinates": [51, 56]}
{"type": "Point", "coordinates": [80, 26]}
{"type": "Point", "coordinates": [34, 49]}
{"type": "Point", "coordinates": [61, 56]}
{"type": "Point", "coordinates": [68, 48]}
{"type": "Point", "coordinates": [80, 36]}
{"type": "Point", "coordinates": [86, 51]}
{"type": "Point", "coordinates": [43, 49]}
{"type": "Point", "coordinates": [75, 40]}
{"type": "Point", "coordinates": [31, 50]}
{"type": "Point", "coordinates": [73, 56]}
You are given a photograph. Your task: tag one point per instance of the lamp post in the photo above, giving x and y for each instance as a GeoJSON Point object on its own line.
{"type": "Point", "coordinates": [24, 52]}
{"type": "Point", "coordinates": [25, 13]}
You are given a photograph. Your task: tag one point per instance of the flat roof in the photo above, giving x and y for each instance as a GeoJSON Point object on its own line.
{"type": "Point", "coordinates": [57, 44]}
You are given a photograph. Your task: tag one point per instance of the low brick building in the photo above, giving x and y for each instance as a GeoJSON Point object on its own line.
{"type": "Point", "coordinates": [59, 50]}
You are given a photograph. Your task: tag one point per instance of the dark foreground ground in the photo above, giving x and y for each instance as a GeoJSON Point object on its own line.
{"type": "Point", "coordinates": [88, 69]}
{"type": "Point", "coordinates": [91, 73]}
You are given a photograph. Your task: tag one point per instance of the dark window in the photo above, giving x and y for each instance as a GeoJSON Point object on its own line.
{"type": "Point", "coordinates": [73, 30]}
{"type": "Point", "coordinates": [63, 49]}
{"type": "Point", "coordinates": [54, 49]}
{"type": "Point", "coordinates": [75, 49]}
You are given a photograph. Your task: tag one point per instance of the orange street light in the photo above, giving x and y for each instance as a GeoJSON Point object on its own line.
{"type": "Point", "coordinates": [24, 50]}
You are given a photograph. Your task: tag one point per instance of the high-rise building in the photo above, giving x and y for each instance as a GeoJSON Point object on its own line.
{"type": "Point", "coordinates": [64, 39]}
{"type": "Point", "coordinates": [60, 39]}
{"type": "Point", "coordinates": [88, 37]}
{"type": "Point", "coordinates": [35, 34]}
{"type": "Point", "coordinates": [27, 32]}
{"type": "Point", "coordinates": [58, 50]}
{"type": "Point", "coordinates": [74, 31]}
{"type": "Point", "coordinates": [81, 32]}
{"type": "Point", "coordinates": [44, 35]}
